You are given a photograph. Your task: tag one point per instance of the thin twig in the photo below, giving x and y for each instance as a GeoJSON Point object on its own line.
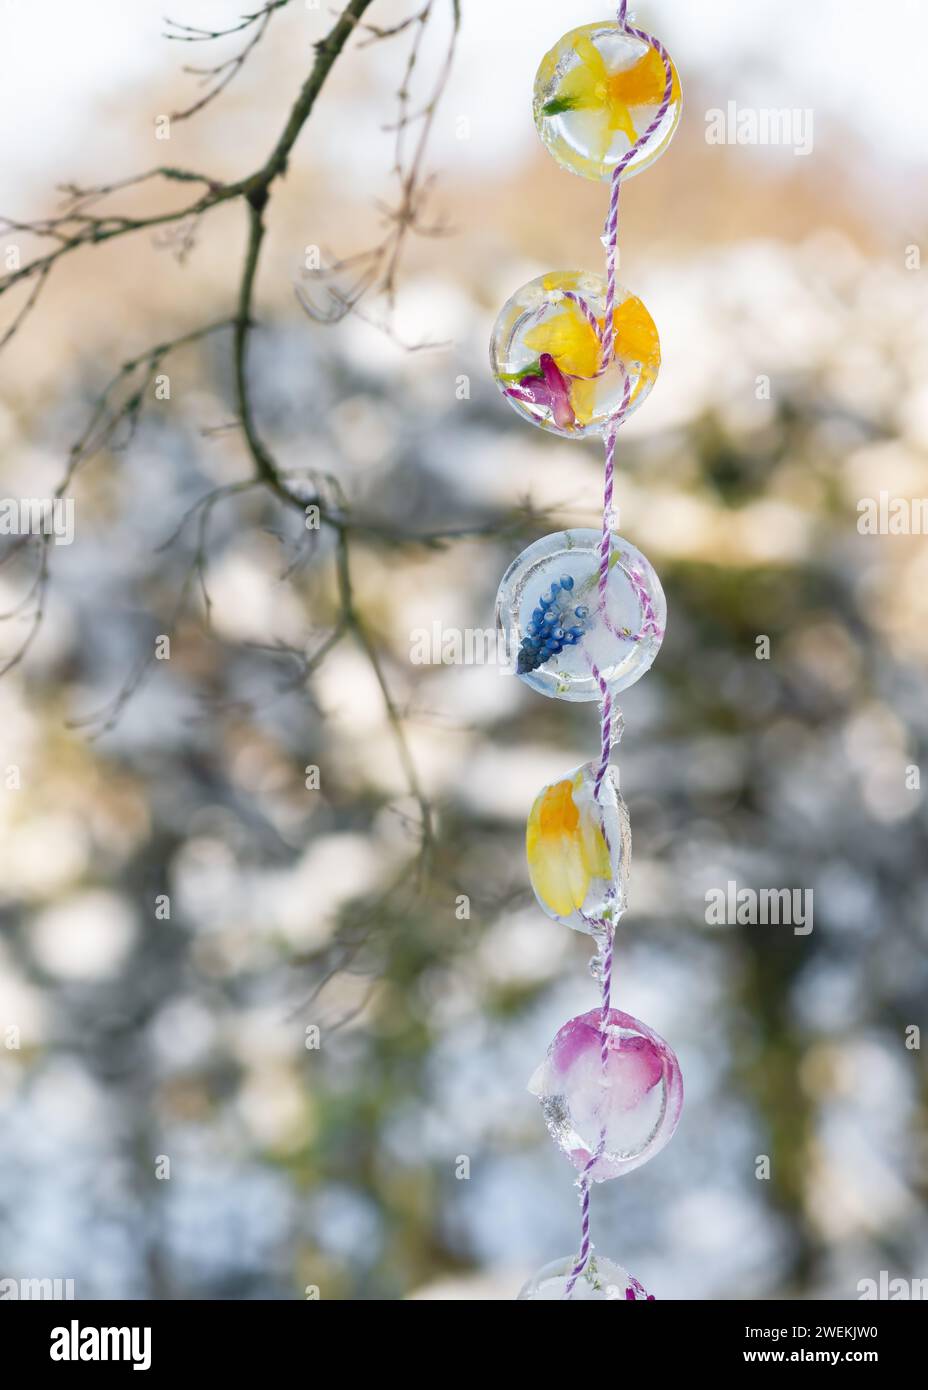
{"type": "Point", "coordinates": [81, 225]}
{"type": "Point", "coordinates": [218, 77]}
{"type": "Point", "coordinates": [374, 272]}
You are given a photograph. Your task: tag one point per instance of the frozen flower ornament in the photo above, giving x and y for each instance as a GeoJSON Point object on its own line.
{"type": "Point", "coordinates": [566, 848]}
{"type": "Point", "coordinates": [609, 1119]}
{"type": "Point", "coordinates": [584, 615]}
{"type": "Point", "coordinates": [601, 1281]}
{"type": "Point", "coordinates": [581, 617]}
{"type": "Point", "coordinates": [547, 353]}
{"type": "Point", "coordinates": [596, 94]}
{"type": "Point", "coordinates": [578, 847]}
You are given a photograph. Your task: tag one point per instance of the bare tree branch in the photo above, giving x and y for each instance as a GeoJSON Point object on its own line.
{"type": "Point", "coordinates": [85, 222]}
{"type": "Point", "coordinates": [218, 77]}
{"type": "Point", "coordinates": [376, 270]}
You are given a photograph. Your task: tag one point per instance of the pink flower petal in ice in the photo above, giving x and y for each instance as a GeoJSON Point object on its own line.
{"type": "Point", "coordinates": [551, 390]}
{"type": "Point", "coordinates": [635, 1068]}
{"type": "Point", "coordinates": [625, 1114]}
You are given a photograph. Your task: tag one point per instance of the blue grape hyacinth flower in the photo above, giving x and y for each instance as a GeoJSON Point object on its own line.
{"type": "Point", "coordinates": [552, 626]}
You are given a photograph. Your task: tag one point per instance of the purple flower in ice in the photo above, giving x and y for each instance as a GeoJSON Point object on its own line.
{"type": "Point", "coordinates": [547, 386]}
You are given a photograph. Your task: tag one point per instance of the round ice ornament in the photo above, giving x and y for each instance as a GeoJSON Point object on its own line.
{"type": "Point", "coordinates": [558, 624]}
{"type": "Point", "coordinates": [597, 93]}
{"type": "Point", "coordinates": [547, 354]}
{"type": "Point", "coordinates": [601, 1280]}
{"type": "Point", "coordinates": [579, 849]}
{"type": "Point", "coordinates": [630, 1107]}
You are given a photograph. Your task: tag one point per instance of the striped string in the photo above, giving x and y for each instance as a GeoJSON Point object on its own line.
{"type": "Point", "coordinates": [585, 1180]}
{"type": "Point", "coordinates": [605, 724]}
{"type": "Point", "coordinates": [607, 943]}
{"type": "Point", "coordinates": [606, 335]}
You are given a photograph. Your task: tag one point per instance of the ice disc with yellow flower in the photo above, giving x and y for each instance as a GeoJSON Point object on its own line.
{"type": "Point", "coordinates": [548, 358]}
{"type": "Point", "coordinates": [579, 849]}
{"type": "Point", "coordinates": [596, 94]}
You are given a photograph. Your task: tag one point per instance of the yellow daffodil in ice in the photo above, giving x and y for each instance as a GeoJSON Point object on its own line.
{"type": "Point", "coordinates": [569, 337]}
{"type": "Point", "coordinates": [566, 847]}
{"type": "Point", "coordinates": [596, 93]}
{"type": "Point", "coordinates": [590, 86]}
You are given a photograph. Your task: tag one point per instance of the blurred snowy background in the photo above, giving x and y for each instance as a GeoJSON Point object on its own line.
{"type": "Point", "coordinates": [292, 908]}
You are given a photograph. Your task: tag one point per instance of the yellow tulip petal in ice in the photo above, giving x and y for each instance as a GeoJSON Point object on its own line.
{"type": "Point", "coordinates": [636, 337]}
{"type": "Point", "coordinates": [569, 337]}
{"type": "Point", "coordinates": [636, 342]}
{"type": "Point", "coordinates": [566, 848]}
{"type": "Point", "coordinates": [584, 400]}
